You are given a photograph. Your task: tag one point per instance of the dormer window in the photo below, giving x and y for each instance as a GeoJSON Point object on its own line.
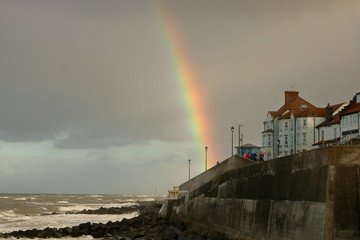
{"type": "Point", "coordinates": [303, 106]}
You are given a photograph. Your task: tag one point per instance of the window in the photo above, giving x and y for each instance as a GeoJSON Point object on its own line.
{"type": "Point", "coordinates": [304, 139]}
{"type": "Point", "coordinates": [353, 119]}
{"type": "Point", "coordinates": [345, 121]}
{"type": "Point", "coordinates": [304, 123]}
{"type": "Point", "coordinates": [298, 139]}
{"type": "Point", "coordinates": [269, 141]}
{"type": "Point", "coordinates": [286, 126]}
{"type": "Point", "coordinates": [322, 135]}
{"type": "Point", "coordinates": [286, 140]}
{"type": "Point", "coordinates": [335, 133]}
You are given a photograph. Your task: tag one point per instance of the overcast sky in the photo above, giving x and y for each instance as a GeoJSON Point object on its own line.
{"type": "Point", "coordinates": [88, 99]}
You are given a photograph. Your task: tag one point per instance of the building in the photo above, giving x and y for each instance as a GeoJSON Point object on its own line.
{"type": "Point", "coordinates": [292, 128]}
{"type": "Point", "coordinates": [248, 147]}
{"type": "Point", "coordinates": [173, 194]}
{"type": "Point", "coordinates": [350, 121]}
{"type": "Point", "coordinates": [329, 131]}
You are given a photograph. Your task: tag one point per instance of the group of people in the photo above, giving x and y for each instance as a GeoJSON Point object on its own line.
{"type": "Point", "coordinates": [253, 156]}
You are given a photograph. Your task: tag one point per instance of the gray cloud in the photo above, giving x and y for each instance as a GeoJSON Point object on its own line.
{"type": "Point", "coordinates": [98, 74]}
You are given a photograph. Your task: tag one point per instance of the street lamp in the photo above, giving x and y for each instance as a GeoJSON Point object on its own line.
{"type": "Point", "coordinates": [206, 149]}
{"type": "Point", "coordinates": [278, 142]}
{"type": "Point", "coordinates": [189, 168]}
{"type": "Point", "coordinates": [240, 140]}
{"type": "Point", "coordinates": [232, 140]}
{"type": "Point", "coordinates": [358, 125]}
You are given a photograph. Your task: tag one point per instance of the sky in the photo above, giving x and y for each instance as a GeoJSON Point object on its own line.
{"type": "Point", "coordinates": [115, 96]}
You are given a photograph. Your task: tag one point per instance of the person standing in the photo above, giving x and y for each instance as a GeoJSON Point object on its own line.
{"type": "Point", "coordinates": [261, 156]}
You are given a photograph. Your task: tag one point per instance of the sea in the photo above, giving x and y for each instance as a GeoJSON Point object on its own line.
{"type": "Point", "coordinates": [29, 211]}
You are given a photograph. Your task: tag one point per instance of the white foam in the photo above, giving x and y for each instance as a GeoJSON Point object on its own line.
{"type": "Point", "coordinates": [42, 203]}
{"type": "Point", "coordinates": [78, 208]}
{"type": "Point", "coordinates": [8, 213]}
{"type": "Point", "coordinates": [59, 221]}
{"type": "Point", "coordinates": [20, 199]}
{"type": "Point", "coordinates": [63, 201]}
{"type": "Point", "coordinates": [75, 208]}
{"type": "Point", "coordinates": [10, 216]}
{"type": "Point", "coordinates": [67, 238]}
{"type": "Point", "coordinates": [96, 196]}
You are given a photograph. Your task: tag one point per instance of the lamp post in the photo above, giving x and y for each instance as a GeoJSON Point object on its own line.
{"type": "Point", "coordinates": [206, 149]}
{"type": "Point", "coordinates": [232, 140]}
{"type": "Point", "coordinates": [358, 125]}
{"type": "Point", "coordinates": [278, 142]}
{"type": "Point", "coordinates": [240, 140]}
{"type": "Point", "coordinates": [314, 114]}
{"type": "Point", "coordinates": [189, 168]}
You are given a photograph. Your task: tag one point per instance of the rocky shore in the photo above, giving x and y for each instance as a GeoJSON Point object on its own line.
{"type": "Point", "coordinates": [146, 226]}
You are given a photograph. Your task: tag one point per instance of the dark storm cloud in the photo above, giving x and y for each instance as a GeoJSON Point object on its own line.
{"type": "Point", "coordinates": [100, 70]}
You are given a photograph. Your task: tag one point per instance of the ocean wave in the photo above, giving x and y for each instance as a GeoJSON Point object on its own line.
{"type": "Point", "coordinates": [8, 213]}
{"type": "Point", "coordinates": [96, 196]}
{"type": "Point", "coordinates": [63, 201]}
{"type": "Point", "coordinates": [20, 199]}
{"type": "Point", "coordinates": [43, 203]}
{"type": "Point", "coordinates": [93, 206]}
{"type": "Point", "coordinates": [10, 216]}
{"type": "Point", "coordinates": [75, 208]}
{"type": "Point", "coordinates": [68, 238]}
{"type": "Point", "coordinates": [59, 221]}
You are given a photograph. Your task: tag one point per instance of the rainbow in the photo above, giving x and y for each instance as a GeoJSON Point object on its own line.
{"type": "Point", "coordinates": [186, 79]}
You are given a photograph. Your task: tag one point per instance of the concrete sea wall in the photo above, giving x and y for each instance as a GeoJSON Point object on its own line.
{"type": "Point", "coordinates": [229, 164]}
{"type": "Point", "coordinates": [311, 195]}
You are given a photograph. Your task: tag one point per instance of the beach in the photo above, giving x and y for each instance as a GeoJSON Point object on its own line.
{"type": "Point", "coordinates": [122, 217]}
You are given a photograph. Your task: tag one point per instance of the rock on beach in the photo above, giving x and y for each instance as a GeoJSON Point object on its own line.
{"type": "Point", "coordinates": [148, 225]}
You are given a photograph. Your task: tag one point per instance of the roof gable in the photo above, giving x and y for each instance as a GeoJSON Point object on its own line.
{"type": "Point", "coordinates": [297, 104]}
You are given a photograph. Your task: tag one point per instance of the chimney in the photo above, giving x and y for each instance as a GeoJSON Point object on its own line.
{"type": "Point", "coordinates": [290, 96]}
{"type": "Point", "coordinates": [329, 116]}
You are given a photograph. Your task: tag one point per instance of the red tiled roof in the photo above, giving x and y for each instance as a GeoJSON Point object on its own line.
{"type": "Point", "coordinates": [335, 120]}
{"type": "Point", "coordinates": [350, 110]}
{"type": "Point", "coordinates": [301, 108]}
{"type": "Point", "coordinates": [337, 106]}
{"type": "Point", "coordinates": [298, 106]}
{"type": "Point", "coordinates": [353, 107]}
{"type": "Point", "coordinates": [272, 113]}
{"type": "Point", "coordinates": [317, 112]}
{"type": "Point", "coordinates": [294, 105]}
{"type": "Point", "coordinates": [327, 142]}
{"type": "Point", "coordinates": [286, 116]}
